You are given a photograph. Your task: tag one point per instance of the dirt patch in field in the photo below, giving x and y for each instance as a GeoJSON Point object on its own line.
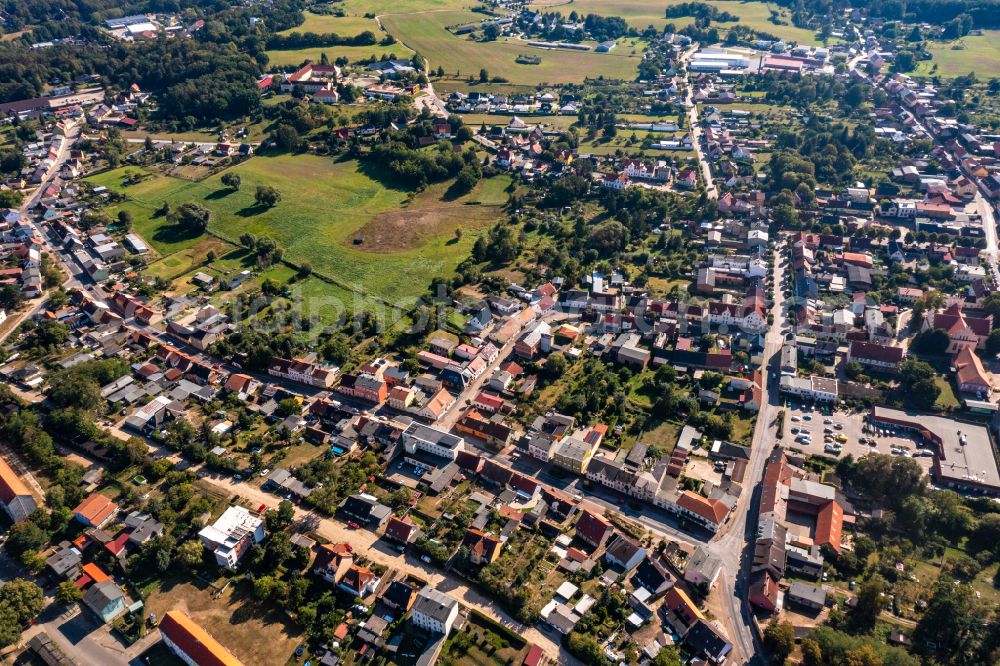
{"type": "Point", "coordinates": [254, 635]}
{"type": "Point", "coordinates": [412, 228]}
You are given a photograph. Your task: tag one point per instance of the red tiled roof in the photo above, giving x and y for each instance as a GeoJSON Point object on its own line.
{"type": "Point", "coordinates": [592, 527]}
{"type": "Point", "coordinates": [876, 352]}
{"type": "Point", "coordinates": [711, 510]}
{"type": "Point", "coordinates": [95, 509]}
{"type": "Point", "coordinates": [194, 641]}
{"type": "Point", "coordinates": [829, 524]}
{"type": "Point", "coordinates": [11, 485]}
{"type": "Point", "coordinates": [95, 573]}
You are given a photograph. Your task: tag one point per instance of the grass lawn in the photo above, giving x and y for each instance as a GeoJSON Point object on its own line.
{"type": "Point", "coordinates": [235, 620]}
{"type": "Point", "coordinates": [975, 53]}
{"type": "Point", "coordinates": [663, 436]}
{"type": "Point", "coordinates": [461, 56]}
{"type": "Point", "coordinates": [345, 26]}
{"type": "Point", "coordinates": [662, 286]}
{"type": "Point", "coordinates": [407, 239]}
{"type": "Point", "coordinates": [947, 399]}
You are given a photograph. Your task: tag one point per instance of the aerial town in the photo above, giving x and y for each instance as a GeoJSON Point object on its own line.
{"type": "Point", "coordinates": [516, 333]}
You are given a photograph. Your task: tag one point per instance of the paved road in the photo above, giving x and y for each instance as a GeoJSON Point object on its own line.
{"type": "Point", "coordinates": [734, 543]}
{"type": "Point", "coordinates": [695, 127]}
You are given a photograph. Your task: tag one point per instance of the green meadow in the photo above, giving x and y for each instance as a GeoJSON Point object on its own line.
{"type": "Point", "coordinates": [384, 242]}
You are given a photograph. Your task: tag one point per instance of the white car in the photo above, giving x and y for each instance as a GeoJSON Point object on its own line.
{"type": "Point", "coordinates": [796, 419]}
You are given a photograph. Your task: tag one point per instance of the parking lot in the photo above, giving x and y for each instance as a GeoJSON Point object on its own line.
{"type": "Point", "coordinates": [821, 422]}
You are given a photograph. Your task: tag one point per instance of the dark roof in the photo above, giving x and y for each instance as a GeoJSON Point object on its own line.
{"type": "Point", "coordinates": [399, 595]}
{"type": "Point", "coordinates": [652, 575]}
{"type": "Point", "coordinates": [705, 641]}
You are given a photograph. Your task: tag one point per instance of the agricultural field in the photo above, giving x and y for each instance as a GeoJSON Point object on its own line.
{"type": "Point", "coordinates": [460, 56]}
{"type": "Point", "coordinates": [405, 239]}
{"type": "Point", "coordinates": [638, 13]}
{"type": "Point", "coordinates": [641, 14]}
{"type": "Point", "coordinates": [975, 53]}
{"type": "Point", "coordinates": [295, 57]}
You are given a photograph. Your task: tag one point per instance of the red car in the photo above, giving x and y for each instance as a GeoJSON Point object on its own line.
{"type": "Point", "coordinates": [353, 525]}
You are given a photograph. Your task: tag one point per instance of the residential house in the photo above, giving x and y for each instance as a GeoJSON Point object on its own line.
{"type": "Point", "coordinates": [970, 375]}
{"type": "Point", "coordinates": [483, 548]}
{"type": "Point", "coordinates": [236, 530]}
{"type": "Point", "coordinates": [707, 513]}
{"type": "Point", "coordinates": [625, 552]}
{"type": "Point", "coordinates": [806, 595]}
{"type": "Point", "coordinates": [434, 611]}
{"type": "Point", "coordinates": [302, 372]}
{"type": "Point", "coordinates": [332, 561]}
{"type": "Point", "coordinates": [106, 599]}
{"type": "Point", "coordinates": [593, 528]}
{"type": "Point", "coordinates": [702, 568]}
{"type": "Point", "coordinates": [95, 511]}
{"type": "Point", "coordinates": [401, 531]}
{"type": "Point", "coordinates": [366, 510]}
{"type": "Point", "coordinates": [358, 581]}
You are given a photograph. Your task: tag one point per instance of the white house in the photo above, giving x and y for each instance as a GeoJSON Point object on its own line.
{"type": "Point", "coordinates": [434, 611]}
{"type": "Point", "coordinates": [232, 535]}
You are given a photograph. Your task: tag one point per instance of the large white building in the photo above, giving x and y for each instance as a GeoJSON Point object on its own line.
{"type": "Point", "coordinates": [232, 535]}
{"type": "Point", "coordinates": [717, 60]}
{"type": "Point", "coordinates": [435, 611]}
{"type": "Point", "coordinates": [418, 436]}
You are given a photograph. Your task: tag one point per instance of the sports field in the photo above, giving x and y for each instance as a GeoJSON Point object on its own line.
{"type": "Point", "coordinates": [407, 239]}
{"type": "Point", "coordinates": [426, 33]}
{"type": "Point", "coordinates": [975, 53]}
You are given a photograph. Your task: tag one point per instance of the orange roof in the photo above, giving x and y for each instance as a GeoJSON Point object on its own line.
{"type": "Point", "coordinates": [95, 573]}
{"type": "Point", "coordinates": [11, 485]}
{"type": "Point", "coordinates": [711, 510]}
{"type": "Point", "coordinates": [829, 524]}
{"type": "Point", "coordinates": [195, 642]}
{"type": "Point", "coordinates": [96, 509]}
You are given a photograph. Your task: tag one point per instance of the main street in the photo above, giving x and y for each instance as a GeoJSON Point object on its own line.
{"type": "Point", "coordinates": [734, 541]}
{"type": "Point", "coordinates": [695, 126]}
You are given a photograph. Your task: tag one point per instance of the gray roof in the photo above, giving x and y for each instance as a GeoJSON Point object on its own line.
{"type": "Point", "coordinates": [808, 593]}
{"type": "Point", "coordinates": [434, 603]}
{"type": "Point", "coordinates": [101, 594]}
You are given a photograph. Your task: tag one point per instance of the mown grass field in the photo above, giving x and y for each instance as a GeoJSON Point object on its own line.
{"type": "Point", "coordinates": [341, 25]}
{"type": "Point", "coordinates": [426, 34]}
{"type": "Point", "coordinates": [407, 239]}
{"type": "Point", "coordinates": [976, 53]}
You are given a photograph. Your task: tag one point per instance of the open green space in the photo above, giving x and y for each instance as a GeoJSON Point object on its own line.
{"type": "Point", "coordinates": [641, 13]}
{"type": "Point", "coordinates": [327, 207]}
{"type": "Point", "coordinates": [638, 13]}
{"type": "Point", "coordinates": [345, 26]}
{"type": "Point", "coordinates": [426, 34]}
{"type": "Point", "coordinates": [975, 53]}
